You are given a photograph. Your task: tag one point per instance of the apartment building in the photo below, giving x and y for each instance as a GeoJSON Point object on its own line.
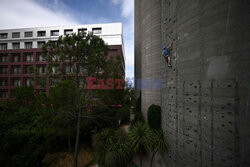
{"type": "Point", "coordinates": [20, 49]}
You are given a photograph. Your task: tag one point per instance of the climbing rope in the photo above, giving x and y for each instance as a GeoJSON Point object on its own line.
{"type": "Point", "coordinates": [227, 24]}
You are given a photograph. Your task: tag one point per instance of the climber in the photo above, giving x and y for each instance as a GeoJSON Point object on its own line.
{"type": "Point", "coordinates": [166, 54]}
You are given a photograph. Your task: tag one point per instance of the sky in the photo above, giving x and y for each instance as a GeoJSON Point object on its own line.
{"type": "Point", "coordinates": [37, 13]}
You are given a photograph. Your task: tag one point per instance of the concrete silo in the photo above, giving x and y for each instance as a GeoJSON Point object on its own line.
{"type": "Point", "coordinates": [148, 47]}
{"type": "Point", "coordinates": [205, 95]}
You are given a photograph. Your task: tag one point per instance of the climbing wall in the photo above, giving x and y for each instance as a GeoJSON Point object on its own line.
{"type": "Point", "coordinates": [205, 98]}
{"type": "Point", "coordinates": [148, 48]}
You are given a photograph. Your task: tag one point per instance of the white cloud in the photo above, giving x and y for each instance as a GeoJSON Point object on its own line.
{"type": "Point", "coordinates": [127, 8]}
{"type": "Point", "coordinates": [116, 1]}
{"type": "Point", "coordinates": [28, 13]}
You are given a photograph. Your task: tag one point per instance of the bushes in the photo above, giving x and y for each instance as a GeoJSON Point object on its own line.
{"type": "Point", "coordinates": [154, 116]}
{"type": "Point", "coordinates": [111, 148]}
{"type": "Point", "coordinates": [138, 116]}
{"type": "Point", "coordinates": [117, 148]}
{"type": "Point", "coordinates": [124, 114]}
{"type": "Point", "coordinates": [141, 139]}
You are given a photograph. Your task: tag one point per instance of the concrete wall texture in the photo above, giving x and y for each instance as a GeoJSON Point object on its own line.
{"type": "Point", "coordinates": [148, 43]}
{"type": "Point", "coordinates": [205, 95]}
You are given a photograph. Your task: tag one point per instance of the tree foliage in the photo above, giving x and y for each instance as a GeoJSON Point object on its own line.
{"type": "Point", "coordinates": [112, 148]}
{"type": "Point", "coordinates": [117, 148]}
{"type": "Point", "coordinates": [74, 57]}
{"type": "Point", "coordinates": [84, 54]}
{"type": "Point", "coordinates": [124, 114]}
{"type": "Point", "coordinates": [138, 116]}
{"type": "Point", "coordinates": [24, 137]}
{"type": "Point", "coordinates": [32, 126]}
{"type": "Point", "coordinates": [141, 139]}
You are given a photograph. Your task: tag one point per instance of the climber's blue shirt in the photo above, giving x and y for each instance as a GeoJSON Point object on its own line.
{"type": "Point", "coordinates": [166, 52]}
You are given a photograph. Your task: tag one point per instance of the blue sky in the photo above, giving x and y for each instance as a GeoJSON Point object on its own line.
{"type": "Point", "coordinates": [34, 13]}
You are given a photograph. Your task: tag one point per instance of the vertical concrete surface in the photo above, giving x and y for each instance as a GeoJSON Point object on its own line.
{"type": "Point", "coordinates": [137, 42]}
{"type": "Point", "coordinates": [206, 94]}
{"type": "Point", "coordinates": [148, 47]}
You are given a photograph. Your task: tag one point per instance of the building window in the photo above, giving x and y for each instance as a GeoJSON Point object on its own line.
{"type": "Point", "coordinates": [68, 69]}
{"type": "Point", "coordinates": [39, 92]}
{"type": "Point", "coordinates": [28, 81]}
{"type": "Point", "coordinates": [16, 45]}
{"type": "Point", "coordinates": [67, 57]}
{"type": "Point", "coordinates": [40, 44]}
{"type": "Point", "coordinates": [55, 69]}
{"type": "Point", "coordinates": [16, 70]}
{"type": "Point", "coordinates": [41, 69]}
{"type": "Point", "coordinates": [40, 57]}
{"type": "Point", "coordinates": [3, 35]}
{"type": "Point", "coordinates": [3, 69]}
{"type": "Point", "coordinates": [82, 30]}
{"type": "Point", "coordinates": [27, 69]}
{"type": "Point", "coordinates": [3, 81]}
{"type": "Point", "coordinates": [29, 57]}
{"type": "Point", "coordinates": [82, 82]}
{"type": "Point", "coordinates": [28, 45]}
{"type": "Point", "coordinates": [54, 33]}
{"type": "Point", "coordinates": [53, 42]}
{"type": "Point", "coordinates": [16, 82]}
{"type": "Point", "coordinates": [99, 71]}
{"type": "Point", "coordinates": [16, 35]}
{"type": "Point", "coordinates": [97, 30]}
{"type": "Point", "coordinates": [41, 33]}
{"type": "Point", "coordinates": [40, 81]}
{"type": "Point", "coordinates": [82, 70]}
{"type": "Point", "coordinates": [68, 32]}
{"type": "Point", "coordinates": [3, 94]}
{"type": "Point", "coordinates": [3, 58]}
{"type": "Point", "coordinates": [28, 34]}
{"type": "Point", "coordinates": [3, 46]}
{"type": "Point", "coordinates": [55, 58]}
{"type": "Point", "coordinates": [16, 58]}
{"type": "Point", "coordinates": [113, 50]}
{"type": "Point", "coordinates": [54, 81]}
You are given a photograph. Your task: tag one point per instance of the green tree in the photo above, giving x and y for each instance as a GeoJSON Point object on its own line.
{"type": "Point", "coordinates": [138, 116]}
{"type": "Point", "coordinates": [73, 57]}
{"type": "Point", "coordinates": [24, 96]}
{"type": "Point", "coordinates": [141, 139]}
{"type": "Point", "coordinates": [124, 114]}
{"type": "Point", "coordinates": [63, 100]}
{"type": "Point", "coordinates": [23, 142]}
{"type": "Point", "coordinates": [154, 116]}
{"type": "Point", "coordinates": [114, 71]}
{"type": "Point", "coordinates": [112, 148]}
